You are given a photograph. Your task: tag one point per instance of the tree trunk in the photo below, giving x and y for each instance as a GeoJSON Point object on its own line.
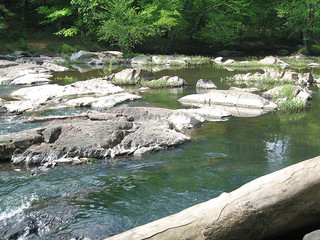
{"type": "Point", "coordinates": [270, 206]}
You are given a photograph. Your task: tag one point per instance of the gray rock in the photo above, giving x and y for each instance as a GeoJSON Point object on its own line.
{"type": "Point", "coordinates": [269, 60]}
{"type": "Point", "coordinates": [102, 102]}
{"type": "Point", "coordinates": [41, 97]}
{"type": "Point", "coordinates": [218, 60]}
{"type": "Point", "coordinates": [102, 135]}
{"type": "Point", "coordinates": [24, 74]}
{"type": "Point", "coordinates": [229, 62]}
{"type": "Point", "coordinates": [251, 90]}
{"type": "Point", "coordinates": [141, 60]}
{"type": "Point", "coordinates": [206, 84]}
{"type": "Point", "coordinates": [83, 55]}
{"type": "Point", "coordinates": [131, 76]}
{"type": "Point", "coordinates": [315, 235]}
{"type": "Point", "coordinates": [168, 60]}
{"type": "Point", "coordinates": [6, 63]}
{"type": "Point", "coordinates": [229, 98]}
{"type": "Point", "coordinates": [54, 67]}
{"type": "Point", "coordinates": [173, 81]}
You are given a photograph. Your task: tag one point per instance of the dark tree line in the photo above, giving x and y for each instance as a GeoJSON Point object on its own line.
{"type": "Point", "coordinates": [126, 23]}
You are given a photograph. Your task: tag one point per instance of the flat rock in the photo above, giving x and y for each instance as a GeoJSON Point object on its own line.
{"type": "Point", "coordinates": [6, 63]}
{"type": "Point", "coordinates": [102, 102]}
{"type": "Point", "coordinates": [141, 60]}
{"type": "Point", "coordinates": [52, 96]}
{"type": "Point", "coordinates": [229, 98]}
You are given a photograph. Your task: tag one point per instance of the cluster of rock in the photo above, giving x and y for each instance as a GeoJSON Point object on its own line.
{"type": "Point", "coordinates": [95, 93]}
{"type": "Point", "coordinates": [135, 76]}
{"type": "Point", "coordinates": [28, 70]}
{"type": "Point", "coordinates": [116, 132]}
{"type": "Point", "coordinates": [302, 79]}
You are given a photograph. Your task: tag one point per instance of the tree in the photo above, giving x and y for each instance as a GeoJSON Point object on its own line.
{"type": "Point", "coordinates": [123, 25]}
{"type": "Point", "coordinates": [302, 16]}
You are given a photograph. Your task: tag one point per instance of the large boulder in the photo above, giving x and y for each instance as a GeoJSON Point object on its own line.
{"type": "Point", "coordinates": [270, 207]}
{"type": "Point", "coordinates": [6, 63]}
{"type": "Point", "coordinates": [205, 83]}
{"type": "Point", "coordinates": [83, 55]}
{"type": "Point", "coordinates": [229, 98]}
{"type": "Point", "coordinates": [141, 60]}
{"type": "Point", "coordinates": [131, 76]}
{"type": "Point", "coordinates": [168, 60]}
{"type": "Point", "coordinates": [168, 81]}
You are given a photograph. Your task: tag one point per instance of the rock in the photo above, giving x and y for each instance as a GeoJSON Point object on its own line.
{"type": "Point", "coordinates": [303, 79]}
{"type": "Point", "coordinates": [131, 76]}
{"type": "Point", "coordinates": [229, 98]}
{"type": "Point", "coordinates": [39, 97]}
{"type": "Point", "coordinates": [24, 74]}
{"type": "Point", "coordinates": [102, 102]}
{"type": "Point", "coordinates": [99, 135]}
{"type": "Point", "coordinates": [229, 62]}
{"type": "Point", "coordinates": [251, 90]}
{"type": "Point", "coordinates": [83, 55]}
{"type": "Point", "coordinates": [172, 81]}
{"type": "Point", "coordinates": [269, 207]}
{"type": "Point", "coordinates": [32, 79]}
{"type": "Point", "coordinates": [95, 62]}
{"type": "Point", "coordinates": [6, 63]}
{"type": "Point", "coordinates": [315, 235]}
{"type": "Point", "coordinates": [141, 60]}
{"type": "Point", "coordinates": [209, 113]}
{"type": "Point", "coordinates": [218, 60]}
{"type": "Point", "coordinates": [314, 65]}
{"type": "Point", "coordinates": [168, 60]}
{"type": "Point", "coordinates": [205, 83]}
{"type": "Point", "coordinates": [277, 91]}
{"type": "Point", "coordinates": [268, 60]}
{"type": "Point", "coordinates": [117, 54]}
{"type": "Point", "coordinates": [54, 67]}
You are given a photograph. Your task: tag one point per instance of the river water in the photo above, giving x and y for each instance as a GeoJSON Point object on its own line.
{"type": "Point", "coordinates": [105, 198]}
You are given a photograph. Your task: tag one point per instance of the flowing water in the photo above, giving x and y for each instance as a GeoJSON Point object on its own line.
{"type": "Point", "coordinates": [105, 198]}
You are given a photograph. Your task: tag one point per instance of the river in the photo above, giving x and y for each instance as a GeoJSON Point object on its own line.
{"type": "Point", "coordinates": [105, 198]}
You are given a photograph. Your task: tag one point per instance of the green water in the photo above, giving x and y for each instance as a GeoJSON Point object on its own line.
{"type": "Point", "coordinates": [106, 198]}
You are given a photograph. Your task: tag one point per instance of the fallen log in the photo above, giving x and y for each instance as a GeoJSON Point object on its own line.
{"type": "Point", "coordinates": [270, 206]}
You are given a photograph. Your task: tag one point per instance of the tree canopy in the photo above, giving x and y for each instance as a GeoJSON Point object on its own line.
{"type": "Point", "coordinates": [126, 23]}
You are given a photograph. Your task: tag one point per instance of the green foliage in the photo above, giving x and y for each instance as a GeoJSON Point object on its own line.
{"type": "Point", "coordinates": [67, 80]}
{"type": "Point", "coordinates": [287, 102]}
{"type": "Point", "coordinates": [125, 26]}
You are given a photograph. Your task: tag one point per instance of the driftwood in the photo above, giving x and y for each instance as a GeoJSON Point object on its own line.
{"type": "Point", "coordinates": [270, 206]}
{"type": "Point", "coordinates": [89, 115]}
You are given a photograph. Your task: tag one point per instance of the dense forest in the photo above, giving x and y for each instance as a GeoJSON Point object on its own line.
{"type": "Point", "coordinates": [164, 26]}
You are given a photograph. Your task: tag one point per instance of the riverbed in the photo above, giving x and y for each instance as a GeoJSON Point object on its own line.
{"type": "Point", "coordinates": [101, 199]}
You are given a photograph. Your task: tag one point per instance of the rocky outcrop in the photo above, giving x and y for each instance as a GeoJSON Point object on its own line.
{"type": "Point", "coordinates": [98, 58]}
{"type": "Point", "coordinates": [96, 92]}
{"type": "Point", "coordinates": [103, 135]}
{"type": "Point", "coordinates": [229, 98]}
{"type": "Point", "coordinates": [302, 79]}
{"type": "Point", "coordinates": [282, 93]}
{"type": "Point", "coordinates": [26, 74]}
{"type": "Point", "coordinates": [6, 64]}
{"type": "Point", "coordinates": [269, 207]}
